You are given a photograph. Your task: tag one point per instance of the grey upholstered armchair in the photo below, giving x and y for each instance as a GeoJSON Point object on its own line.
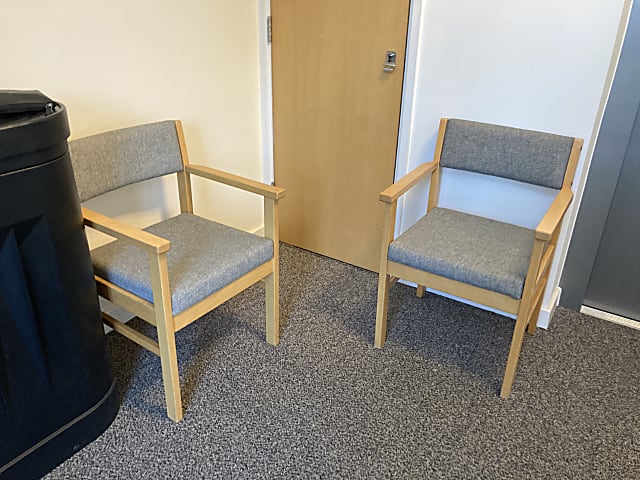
{"type": "Point", "coordinates": [496, 264]}
{"type": "Point", "coordinates": [175, 271]}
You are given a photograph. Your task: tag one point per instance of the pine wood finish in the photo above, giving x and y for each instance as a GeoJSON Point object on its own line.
{"type": "Point", "coordinates": [159, 313]}
{"type": "Point", "coordinates": [527, 308]}
{"type": "Point", "coordinates": [336, 116]}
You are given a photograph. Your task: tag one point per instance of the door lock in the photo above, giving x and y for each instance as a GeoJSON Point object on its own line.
{"type": "Point", "coordinates": [390, 63]}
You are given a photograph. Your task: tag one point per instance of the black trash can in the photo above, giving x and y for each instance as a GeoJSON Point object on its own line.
{"type": "Point", "coordinates": [57, 392]}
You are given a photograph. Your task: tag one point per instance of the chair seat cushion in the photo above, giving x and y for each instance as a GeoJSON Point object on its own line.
{"type": "Point", "coordinates": [205, 256]}
{"type": "Point", "coordinates": [470, 249]}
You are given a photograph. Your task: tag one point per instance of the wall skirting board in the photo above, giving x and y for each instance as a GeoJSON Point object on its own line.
{"type": "Point", "coordinates": [546, 312]}
{"type": "Point", "coordinates": [610, 317]}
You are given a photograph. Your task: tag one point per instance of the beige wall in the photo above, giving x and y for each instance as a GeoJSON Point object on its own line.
{"type": "Point", "coordinates": [119, 62]}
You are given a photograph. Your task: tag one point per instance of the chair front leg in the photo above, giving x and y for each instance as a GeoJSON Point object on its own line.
{"type": "Point", "coordinates": [272, 282]}
{"type": "Point", "coordinates": [521, 322]}
{"type": "Point", "coordinates": [383, 278]}
{"type": "Point", "coordinates": [166, 335]}
{"type": "Point", "coordinates": [382, 308]}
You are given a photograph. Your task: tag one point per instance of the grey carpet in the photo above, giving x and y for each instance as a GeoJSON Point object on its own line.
{"type": "Point", "coordinates": [326, 404]}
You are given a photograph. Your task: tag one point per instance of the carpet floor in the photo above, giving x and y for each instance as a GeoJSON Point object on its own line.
{"type": "Point", "coordinates": [326, 404]}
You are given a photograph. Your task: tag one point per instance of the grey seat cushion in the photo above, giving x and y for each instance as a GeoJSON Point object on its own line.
{"type": "Point", "coordinates": [467, 248]}
{"type": "Point", "coordinates": [204, 257]}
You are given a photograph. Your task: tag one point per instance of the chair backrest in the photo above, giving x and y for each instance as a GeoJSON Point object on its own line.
{"type": "Point", "coordinates": [524, 155]}
{"type": "Point", "coordinates": [110, 160]}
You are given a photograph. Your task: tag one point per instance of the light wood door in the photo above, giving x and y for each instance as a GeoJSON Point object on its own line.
{"type": "Point", "coordinates": [336, 115]}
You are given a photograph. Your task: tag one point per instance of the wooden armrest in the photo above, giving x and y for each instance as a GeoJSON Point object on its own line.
{"type": "Point", "coordinates": [553, 216]}
{"type": "Point", "coordinates": [247, 184]}
{"type": "Point", "coordinates": [144, 240]}
{"type": "Point", "coordinates": [393, 192]}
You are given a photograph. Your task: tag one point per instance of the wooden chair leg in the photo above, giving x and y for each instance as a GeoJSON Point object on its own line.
{"type": "Point", "coordinates": [166, 334]}
{"type": "Point", "coordinates": [514, 353]}
{"type": "Point", "coordinates": [381, 312]}
{"type": "Point", "coordinates": [420, 291]}
{"type": "Point", "coordinates": [273, 308]}
{"type": "Point", "coordinates": [169, 362]}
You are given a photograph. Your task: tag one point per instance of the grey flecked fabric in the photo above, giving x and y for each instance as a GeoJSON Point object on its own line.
{"type": "Point", "coordinates": [326, 404]}
{"type": "Point", "coordinates": [110, 160]}
{"type": "Point", "coordinates": [204, 257]}
{"type": "Point", "coordinates": [523, 155]}
{"type": "Point", "coordinates": [471, 249]}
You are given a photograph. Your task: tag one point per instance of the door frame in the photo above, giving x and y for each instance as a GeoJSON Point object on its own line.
{"type": "Point", "coordinates": [604, 170]}
{"type": "Point", "coordinates": [407, 104]}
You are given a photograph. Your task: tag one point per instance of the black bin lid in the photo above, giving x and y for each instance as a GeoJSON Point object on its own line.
{"type": "Point", "coordinates": [29, 122]}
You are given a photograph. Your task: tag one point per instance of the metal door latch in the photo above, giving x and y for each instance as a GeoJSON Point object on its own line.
{"type": "Point", "coordinates": [390, 64]}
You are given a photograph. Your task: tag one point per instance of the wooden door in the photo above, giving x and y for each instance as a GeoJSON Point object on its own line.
{"type": "Point", "coordinates": [336, 115]}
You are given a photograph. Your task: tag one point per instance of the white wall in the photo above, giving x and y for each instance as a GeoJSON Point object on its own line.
{"type": "Point", "coordinates": [118, 63]}
{"type": "Point", "coordinates": [538, 64]}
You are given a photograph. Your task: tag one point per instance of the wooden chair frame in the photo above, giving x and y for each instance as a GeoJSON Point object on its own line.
{"type": "Point", "coordinates": [159, 313]}
{"type": "Point", "coordinates": [527, 308]}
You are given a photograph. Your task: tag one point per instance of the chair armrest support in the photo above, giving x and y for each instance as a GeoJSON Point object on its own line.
{"type": "Point", "coordinates": [553, 216]}
{"type": "Point", "coordinates": [146, 241]}
{"type": "Point", "coordinates": [399, 188]}
{"type": "Point", "coordinates": [237, 181]}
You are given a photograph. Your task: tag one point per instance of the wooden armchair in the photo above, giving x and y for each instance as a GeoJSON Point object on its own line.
{"type": "Point", "coordinates": [175, 271]}
{"type": "Point", "coordinates": [496, 264]}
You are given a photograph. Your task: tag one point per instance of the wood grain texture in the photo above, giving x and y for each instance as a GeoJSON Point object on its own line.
{"type": "Point", "coordinates": [131, 334]}
{"type": "Point", "coordinates": [336, 117]}
{"type": "Point", "coordinates": [434, 185]}
{"type": "Point", "coordinates": [402, 186]}
{"type": "Point", "coordinates": [383, 274]}
{"type": "Point", "coordinates": [127, 300]}
{"type": "Point", "coordinates": [475, 294]}
{"type": "Point", "coordinates": [572, 164]}
{"type": "Point", "coordinates": [554, 214]}
{"type": "Point", "coordinates": [237, 181]}
{"type": "Point", "coordinates": [146, 241]}
{"type": "Point", "coordinates": [166, 335]}
{"type": "Point", "coordinates": [272, 282]}
{"type": "Point", "coordinates": [522, 319]}
{"type": "Point", "coordinates": [197, 310]}
{"type": "Point", "coordinates": [184, 179]}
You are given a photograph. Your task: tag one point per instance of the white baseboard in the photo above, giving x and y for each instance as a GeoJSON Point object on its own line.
{"type": "Point", "coordinates": [546, 312]}
{"type": "Point", "coordinates": [258, 231]}
{"type": "Point", "coordinates": [610, 317]}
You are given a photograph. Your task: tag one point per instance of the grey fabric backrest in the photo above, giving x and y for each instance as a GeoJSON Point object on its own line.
{"type": "Point", "coordinates": [523, 155]}
{"type": "Point", "coordinates": [110, 160]}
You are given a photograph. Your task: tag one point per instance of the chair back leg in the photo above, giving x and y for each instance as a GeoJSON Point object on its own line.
{"type": "Point", "coordinates": [533, 322]}
{"type": "Point", "coordinates": [273, 308]}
